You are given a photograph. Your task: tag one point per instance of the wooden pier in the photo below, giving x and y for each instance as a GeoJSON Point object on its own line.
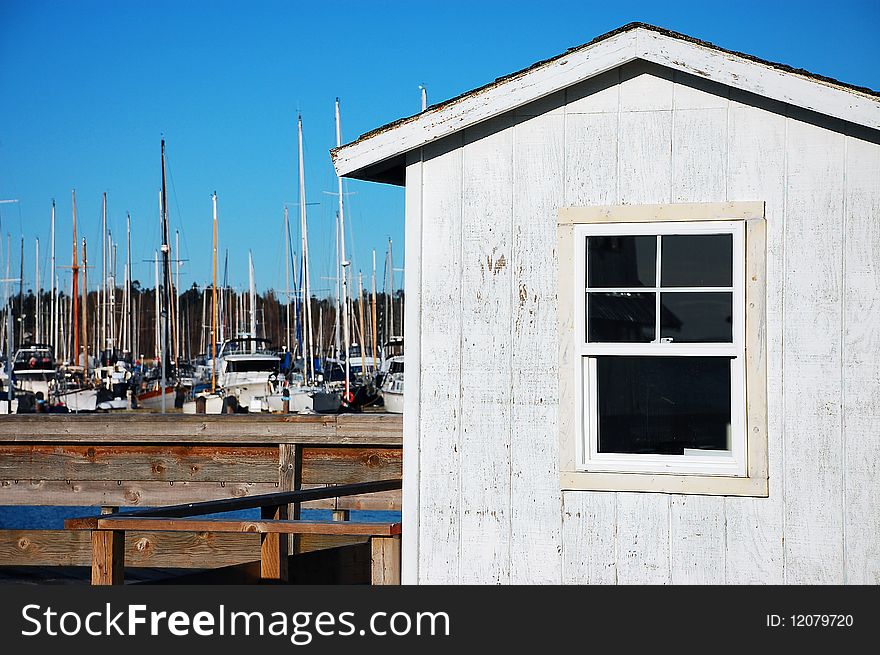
{"type": "Point", "coordinates": [135, 460]}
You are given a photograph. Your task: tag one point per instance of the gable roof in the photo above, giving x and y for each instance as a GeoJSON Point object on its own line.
{"type": "Point", "coordinates": [379, 154]}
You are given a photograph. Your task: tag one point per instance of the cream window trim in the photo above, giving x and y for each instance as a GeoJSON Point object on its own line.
{"type": "Point", "coordinates": [755, 482]}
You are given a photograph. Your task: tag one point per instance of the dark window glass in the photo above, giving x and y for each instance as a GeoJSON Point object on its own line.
{"type": "Point", "coordinates": [621, 317]}
{"type": "Point", "coordinates": [697, 260]}
{"type": "Point", "coordinates": [696, 317]}
{"type": "Point", "coordinates": [663, 405]}
{"type": "Point", "coordinates": [621, 261]}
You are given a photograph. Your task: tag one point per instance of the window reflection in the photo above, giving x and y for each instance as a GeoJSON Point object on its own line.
{"type": "Point", "coordinates": [621, 317]}
{"type": "Point", "coordinates": [663, 405]}
{"type": "Point", "coordinates": [625, 261]}
{"type": "Point", "coordinates": [697, 317]}
{"type": "Point", "coordinates": [696, 260]}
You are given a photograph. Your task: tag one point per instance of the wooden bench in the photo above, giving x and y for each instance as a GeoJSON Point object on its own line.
{"type": "Point", "coordinates": [274, 527]}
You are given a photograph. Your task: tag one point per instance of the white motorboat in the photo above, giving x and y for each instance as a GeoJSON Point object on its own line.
{"type": "Point", "coordinates": [392, 386]}
{"type": "Point", "coordinates": [33, 368]}
{"type": "Point", "coordinates": [247, 368]}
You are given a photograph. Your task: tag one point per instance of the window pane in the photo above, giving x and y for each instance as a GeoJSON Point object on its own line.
{"type": "Point", "coordinates": [697, 260]}
{"type": "Point", "coordinates": [696, 317]}
{"type": "Point", "coordinates": [663, 405]}
{"type": "Point", "coordinates": [621, 317]}
{"type": "Point", "coordinates": [621, 261]}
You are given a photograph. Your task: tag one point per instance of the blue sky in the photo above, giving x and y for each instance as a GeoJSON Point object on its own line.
{"type": "Point", "coordinates": [87, 88]}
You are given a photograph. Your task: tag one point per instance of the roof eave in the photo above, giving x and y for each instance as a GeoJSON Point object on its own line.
{"type": "Point", "coordinates": [378, 153]}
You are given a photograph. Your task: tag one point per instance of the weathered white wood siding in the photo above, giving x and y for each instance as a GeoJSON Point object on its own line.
{"type": "Point", "coordinates": [489, 505]}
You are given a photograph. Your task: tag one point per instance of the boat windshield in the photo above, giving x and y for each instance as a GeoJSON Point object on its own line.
{"type": "Point", "coordinates": [34, 358]}
{"type": "Point", "coordinates": [252, 365]}
{"type": "Point", "coordinates": [248, 346]}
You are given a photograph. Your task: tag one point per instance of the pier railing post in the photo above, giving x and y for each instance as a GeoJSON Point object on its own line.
{"type": "Point", "coordinates": [385, 560]}
{"type": "Point", "coordinates": [274, 547]}
{"type": "Point", "coordinates": [290, 479]}
{"type": "Point", "coordinates": [108, 557]}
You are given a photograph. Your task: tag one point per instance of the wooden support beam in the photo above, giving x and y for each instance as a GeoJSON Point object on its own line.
{"type": "Point", "coordinates": [385, 560]}
{"type": "Point", "coordinates": [274, 549]}
{"type": "Point", "coordinates": [181, 429]}
{"type": "Point", "coordinates": [341, 515]}
{"type": "Point", "coordinates": [232, 504]}
{"type": "Point", "coordinates": [290, 479]}
{"type": "Point", "coordinates": [108, 557]}
{"type": "Point", "coordinates": [161, 494]}
{"type": "Point", "coordinates": [142, 549]}
{"type": "Point", "coordinates": [140, 462]}
{"type": "Point", "coordinates": [267, 525]}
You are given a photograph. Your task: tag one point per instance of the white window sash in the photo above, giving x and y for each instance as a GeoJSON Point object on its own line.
{"type": "Point", "coordinates": [732, 463]}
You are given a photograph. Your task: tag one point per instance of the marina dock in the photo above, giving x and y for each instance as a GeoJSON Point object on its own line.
{"type": "Point", "coordinates": [132, 461]}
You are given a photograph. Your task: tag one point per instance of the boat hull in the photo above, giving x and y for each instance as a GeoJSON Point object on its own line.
{"type": "Point", "coordinates": [115, 403]}
{"type": "Point", "coordinates": [81, 400]}
{"type": "Point", "coordinates": [213, 405]}
{"type": "Point", "coordinates": [153, 399]}
{"type": "Point", "coordinates": [393, 401]}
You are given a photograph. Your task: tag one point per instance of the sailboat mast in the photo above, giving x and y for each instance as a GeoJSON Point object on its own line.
{"type": "Point", "coordinates": [129, 336]}
{"type": "Point", "coordinates": [343, 263]}
{"type": "Point", "coordinates": [85, 312]}
{"type": "Point", "coordinates": [102, 290]}
{"type": "Point", "coordinates": [157, 339]}
{"type": "Point", "coordinates": [224, 297]}
{"type": "Point", "coordinates": [252, 290]}
{"type": "Point", "coordinates": [214, 305]}
{"type": "Point", "coordinates": [112, 288]}
{"type": "Point", "coordinates": [52, 301]}
{"type": "Point", "coordinates": [38, 317]}
{"type": "Point", "coordinates": [336, 324]}
{"type": "Point", "coordinates": [373, 316]}
{"type": "Point", "coordinates": [307, 299]}
{"type": "Point", "coordinates": [21, 294]}
{"type": "Point", "coordinates": [391, 284]}
{"type": "Point", "coordinates": [166, 280]}
{"type": "Point", "coordinates": [175, 301]}
{"type": "Point", "coordinates": [361, 327]}
{"type": "Point", "coordinates": [74, 294]}
{"type": "Point", "coordinates": [287, 279]}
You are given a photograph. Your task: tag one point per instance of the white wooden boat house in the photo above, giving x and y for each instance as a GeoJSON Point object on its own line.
{"type": "Point", "coordinates": [643, 321]}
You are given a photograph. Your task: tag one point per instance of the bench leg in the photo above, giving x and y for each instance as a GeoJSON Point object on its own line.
{"type": "Point", "coordinates": [108, 557]}
{"type": "Point", "coordinates": [274, 547]}
{"type": "Point", "coordinates": [385, 560]}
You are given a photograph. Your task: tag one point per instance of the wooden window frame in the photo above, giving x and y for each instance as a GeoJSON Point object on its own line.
{"type": "Point", "coordinates": [571, 393]}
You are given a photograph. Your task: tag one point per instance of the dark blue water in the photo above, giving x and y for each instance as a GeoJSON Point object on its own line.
{"type": "Point", "coordinates": [52, 518]}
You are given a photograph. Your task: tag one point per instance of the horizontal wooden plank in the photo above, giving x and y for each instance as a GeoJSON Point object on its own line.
{"type": "Point", "coordinates": [112, 493]}
{"type": "Point", "coordinates": [344, 465]}
{"type": "Point", "coordinates": [157, 494]}
{"type": "Point", "coordinates": [266, 526]}
{"type": "Point", "coordinates": [135, 463]}
{"type": "Point", "coordinates": [142, 549]}
{"type": "Point", "coordinates": [383, 501]}
{"type": "Point", "coordinates": [370, 428]}
{"type": "Point", "coordinates": [373, 429]}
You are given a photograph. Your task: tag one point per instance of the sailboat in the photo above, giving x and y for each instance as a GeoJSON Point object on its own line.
{"type": "Point", "coordinates": [71, 386]}
{"type": "Point", "coordinates": [159, 394]}
{"type": "Point", "coordinates": [310, 394]}
{"type": "Point", "coordinates": [245, 368]}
